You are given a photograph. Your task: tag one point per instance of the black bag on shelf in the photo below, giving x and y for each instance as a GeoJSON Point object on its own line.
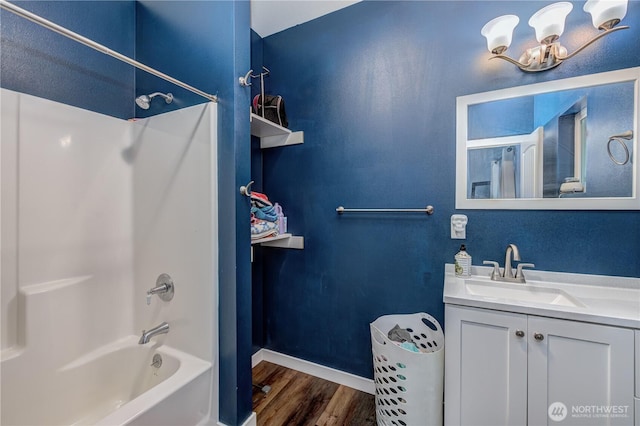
{"type": "Point", "coordinates": [273, 109]}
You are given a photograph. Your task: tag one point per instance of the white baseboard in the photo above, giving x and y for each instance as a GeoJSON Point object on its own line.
{"type": "Point", "coordinates": [313, 369]}
{"type": "Point", "coordinates": [251, 421]}
{"type": "Point", "coordinates": [257, 358]}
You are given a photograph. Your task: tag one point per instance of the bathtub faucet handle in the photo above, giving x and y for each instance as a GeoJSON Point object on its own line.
{"type": "Point", "coordinates": [164, 289]}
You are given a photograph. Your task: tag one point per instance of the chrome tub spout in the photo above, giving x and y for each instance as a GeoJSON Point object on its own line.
{"type": "Point", "coordinates": [147, 335]}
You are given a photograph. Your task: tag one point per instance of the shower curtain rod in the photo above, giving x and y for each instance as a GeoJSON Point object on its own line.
{"type": "Point", "coordinates": [4, 4]}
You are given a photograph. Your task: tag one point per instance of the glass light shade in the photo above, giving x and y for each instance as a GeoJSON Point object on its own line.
{"type": "Point", "coordinates": [549, 21]}
{"type": "Point", "coordinates": [603, 11]}
{"type": "Point", "coordinates": [499, 32]}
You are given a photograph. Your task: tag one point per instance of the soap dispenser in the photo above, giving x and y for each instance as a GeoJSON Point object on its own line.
{"type": "Point", "coordinates": [463, 262]}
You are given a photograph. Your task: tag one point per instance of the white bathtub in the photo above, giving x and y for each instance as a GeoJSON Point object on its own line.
{"type": "Point", "coordinates": [113, 385]}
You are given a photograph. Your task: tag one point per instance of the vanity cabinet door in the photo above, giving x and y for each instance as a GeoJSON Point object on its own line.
{"type": "Point", "coordinates": [486, 367]}
{"type": "Point", "coordinates": [585, 369]}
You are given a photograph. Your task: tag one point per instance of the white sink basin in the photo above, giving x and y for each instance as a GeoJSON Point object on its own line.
{"type": "Point", "coordinates": [497, 290]}
{"type": "Point", "coordinates": [599, 299]}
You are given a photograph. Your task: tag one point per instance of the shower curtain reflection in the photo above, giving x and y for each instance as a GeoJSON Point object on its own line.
{"type": "Point", "coordinates": [494, 172]}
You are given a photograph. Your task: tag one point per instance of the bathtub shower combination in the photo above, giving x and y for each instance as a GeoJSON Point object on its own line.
{"type": "Point", "coordinates": [96, 211]}
{"type": "Point", "coordinates": [107, 227]}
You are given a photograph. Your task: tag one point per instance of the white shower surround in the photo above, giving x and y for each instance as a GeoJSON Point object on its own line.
{"type": "Point", "coordinates": [93, 209]}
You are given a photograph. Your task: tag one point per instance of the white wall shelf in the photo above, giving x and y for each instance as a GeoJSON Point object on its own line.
{"type": "Point", "coordinates": [282, 241]}
{"type": "Point", "coordinates": [272, 135]}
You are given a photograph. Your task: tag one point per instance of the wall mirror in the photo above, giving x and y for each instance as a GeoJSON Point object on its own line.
{"type": "Point", "coordinates": [567, 144]}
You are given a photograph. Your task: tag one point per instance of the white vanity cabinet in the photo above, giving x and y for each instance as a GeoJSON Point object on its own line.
{"type": "Point", "coordinates": [504, 368]}
{"type": "Point", "coordinates": [485, 367]}
{"type": "Point", "coordinates": [637, 399]}
{"type": "Point", "coordinates": [587, 367]}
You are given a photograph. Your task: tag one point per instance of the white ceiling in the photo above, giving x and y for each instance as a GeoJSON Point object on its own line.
{"type": "Point", "coordinates": [272, 16]}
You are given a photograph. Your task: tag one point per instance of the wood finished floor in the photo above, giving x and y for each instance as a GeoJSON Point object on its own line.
{"type": "Point", "coordinates": [297, 398]}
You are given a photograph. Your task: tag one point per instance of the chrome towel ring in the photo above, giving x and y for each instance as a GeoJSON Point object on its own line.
{"type": "Point", "coordinates": [628, 135]}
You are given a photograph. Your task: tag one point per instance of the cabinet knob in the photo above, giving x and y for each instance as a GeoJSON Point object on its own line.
{"type": "Point", "coordinates": [538, 336]}
{"type": "Point", "coordinates": [519, 333]}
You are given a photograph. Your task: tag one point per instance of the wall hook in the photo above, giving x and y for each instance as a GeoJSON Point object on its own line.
{"type": "Point", "coordinates": [246, 80]}
{"type": "Point", "coordinates": [246, 190]}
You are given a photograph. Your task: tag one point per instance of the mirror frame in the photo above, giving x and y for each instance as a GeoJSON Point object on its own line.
{"type": "Point", "coordinates": [582, 203]}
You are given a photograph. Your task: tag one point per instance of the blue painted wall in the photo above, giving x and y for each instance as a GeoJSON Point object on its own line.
{"type": "Point", "coordinates": [257, 294]}
{"type": "Point", "coordinates": [39, 62]}
{"type": "Point", "coordinates": [374, 88]}
{"type": "Point", "coordinates": [487, 120]}
{"type": "Point", "coordinates": [234, 234]}
{"type": "Point", "coordinates": [188, 40]}
{"type": "Point", "coordinates": [610, 121]}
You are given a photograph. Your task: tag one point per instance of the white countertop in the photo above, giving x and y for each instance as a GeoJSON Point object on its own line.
{"type": "Point", "coordinates": [604, 299]}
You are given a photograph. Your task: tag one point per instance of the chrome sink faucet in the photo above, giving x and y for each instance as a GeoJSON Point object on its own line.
{"type": "Point", "coordinates": [508, 275]}
{"type": "Point", "coordinates": [147, 335]}
{"type": "Point", "coordinates": [511, 248]}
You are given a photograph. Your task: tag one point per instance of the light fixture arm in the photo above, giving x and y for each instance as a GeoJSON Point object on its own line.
{"type": "Point", "coordinates": [539, 58]}
{"type": "Point", "coordinates": [597, 37]}
{"type": "Point", "coordinates": [519, 64]}
{"type": "Point", "coordinates": [546, 56]}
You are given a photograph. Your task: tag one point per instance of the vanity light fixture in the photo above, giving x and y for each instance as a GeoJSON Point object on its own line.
{"type": "Point", "coordinates": [548, 23]}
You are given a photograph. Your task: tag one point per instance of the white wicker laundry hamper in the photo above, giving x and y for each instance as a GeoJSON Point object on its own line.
{"type": "Point", "coordinates": [409, 385]}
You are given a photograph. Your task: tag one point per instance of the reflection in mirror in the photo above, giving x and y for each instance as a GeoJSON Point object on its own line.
{"type": "Point", "coordinates": [572, 141]}
{"type": "Point", "coordinates": [492, 172]}
{"type": "Point", "coordinates": [552, 139]}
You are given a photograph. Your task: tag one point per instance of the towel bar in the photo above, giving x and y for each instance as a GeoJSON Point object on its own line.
{"type": "Point", "coordinates": [428, 210]}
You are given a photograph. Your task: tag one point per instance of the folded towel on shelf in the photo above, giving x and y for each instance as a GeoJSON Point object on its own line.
{"type": "Point", "coordinates": [265, 213]}
{"type": "Point", "coordinates": [259, 200]}
{"type": "Point", "coordinates": [262, 228]}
